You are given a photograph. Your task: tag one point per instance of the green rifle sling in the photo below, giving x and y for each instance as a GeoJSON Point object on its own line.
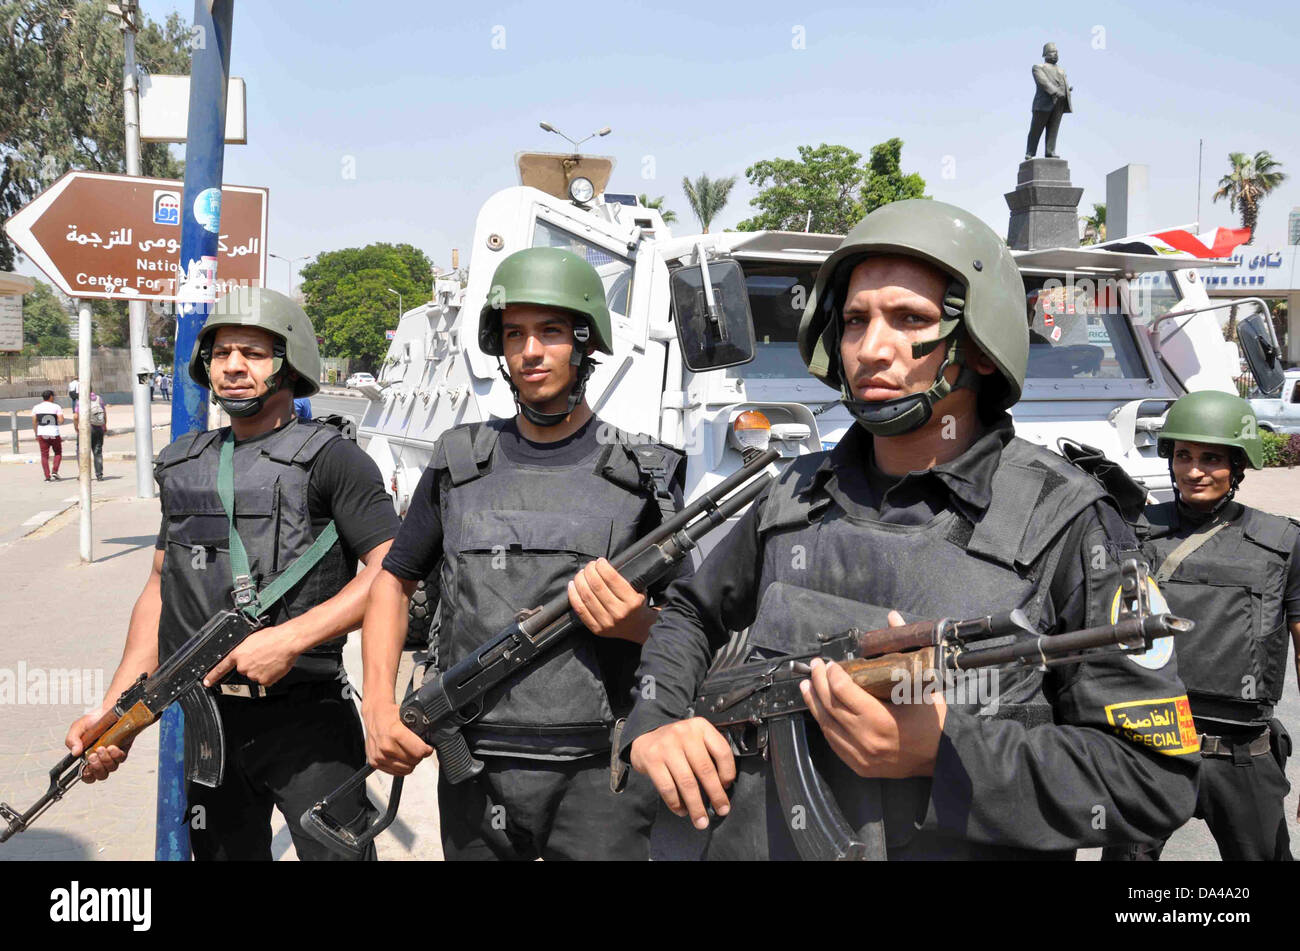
{"type": "Point", "coordinates": [1188, 546]}
{"type": "Point", "coordinates": [239, 566]}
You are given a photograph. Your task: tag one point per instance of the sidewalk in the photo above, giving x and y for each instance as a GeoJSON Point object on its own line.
{"type": "Point", "coordinates": [66, 626]}
{"type": "Point", "coordinates": [30, 501]}
{"type": "Point", "coordinates": [121, 420]}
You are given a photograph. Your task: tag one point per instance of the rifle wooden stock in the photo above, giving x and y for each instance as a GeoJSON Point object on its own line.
{"type": "Point", "coordinates": [892, 640]}
{"type": "Point", "coordinates": [878, 675]}
{"type": "Point", "coordinates": [90, 736]}
{"type": "Point", "coordinates": [124, 729]}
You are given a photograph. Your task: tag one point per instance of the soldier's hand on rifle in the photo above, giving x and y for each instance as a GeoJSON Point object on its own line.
{"type": "Point", "coordinates": [390, 746]}
{"type": "Point", "coordinates": [876, 740]}
{"type": "Point", "coordinates": [101, 762]}
{"type": "Point", "coordinates": [684, 758]}
{"type": "Point", "coordinates": [607, 605]}
{"type": "Point", "coordinates": [264, 657]}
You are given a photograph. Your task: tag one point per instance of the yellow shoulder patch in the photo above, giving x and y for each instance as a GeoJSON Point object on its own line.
{"type": "Point", "coordinates": [1164, 725]}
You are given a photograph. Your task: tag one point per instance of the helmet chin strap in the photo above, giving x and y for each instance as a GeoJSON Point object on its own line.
{"type": "Point", "coordinates": [905, 414]}
{"type": "Point", "coordinates": [578, 358]}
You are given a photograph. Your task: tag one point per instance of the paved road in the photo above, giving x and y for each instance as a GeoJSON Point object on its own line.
{"type": "Point", "coordinates": [322, 404]}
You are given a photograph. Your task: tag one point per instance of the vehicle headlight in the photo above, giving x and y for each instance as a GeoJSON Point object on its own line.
{"type": "Point", "coordinates": [581, 190]}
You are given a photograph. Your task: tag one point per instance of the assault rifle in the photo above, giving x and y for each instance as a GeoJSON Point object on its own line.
{"type": "Point", "coordinates": [179, 678]}
{"type": "Point", "coordinates": [759, 708]}
{"type": "Point", "coordinates": [438, 710]}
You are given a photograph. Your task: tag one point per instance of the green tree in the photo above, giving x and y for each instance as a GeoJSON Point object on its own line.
{"type": "Point", "coordinates": [885, 181]}
{"type": "Point", "coordinates": [43, 315]}
{"type": "Point", "coordinates": [346, 295]}
{"type": "Point", "coordinates": [668, 215]}
{"type": "Point", "coordinates": [707, 197]}
{"type": "Point", "coordinates": [1251, 178]}
{"type": "Point", "coordinates": [61, 95]}
{"type": "Point", "coordinates": [45, 323]}
{"type": "Point", "coordinates": [824, 181]}
{"type": "Point", "coordinates": [1094, 225]}
{"type": "Point", "coordinates": [826, 189]}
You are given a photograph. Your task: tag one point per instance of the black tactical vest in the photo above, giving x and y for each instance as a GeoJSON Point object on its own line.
{"type": "Point", "coordinates": [513, 536]}
{"type": "Point", "coordinates": [945, 568]}
{"type": "Point", "coordinates": [271, 516]}
{"type": "Point", "coordinates": [1234, 661]}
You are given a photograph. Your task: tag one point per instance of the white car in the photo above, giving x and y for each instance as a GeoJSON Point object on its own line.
{"type": "Point", "coordinates": [358, 379]}
{"type": "Point", "coordinates": [1281, 414]}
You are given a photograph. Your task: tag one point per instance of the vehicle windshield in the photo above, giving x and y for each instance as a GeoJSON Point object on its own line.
{"type": "Point", "coordinates": [615, 271]}
{"type": "Point", "coordinates": [1079, 331]}
{"type": "Point", "coordinates": [777, 294]}
{"type": "Point", "coordinates": [1152, 295]}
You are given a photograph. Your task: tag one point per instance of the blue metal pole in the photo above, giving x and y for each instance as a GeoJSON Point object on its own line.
{"type": "Point", "coordinates": [200, 228]}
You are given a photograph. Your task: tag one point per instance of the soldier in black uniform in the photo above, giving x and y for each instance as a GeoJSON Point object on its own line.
{"type": "Point", "coordinates": [291, 727]}
{"type": "Point", "coordinates": [509, 512]}
{"type": "Point", "coordinates": [929, 507]}
{"type": "Point", "coordinates": [1236, 571]}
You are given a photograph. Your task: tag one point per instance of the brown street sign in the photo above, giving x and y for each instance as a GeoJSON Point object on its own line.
{"type": "Point", "coordinates": [119, 237]}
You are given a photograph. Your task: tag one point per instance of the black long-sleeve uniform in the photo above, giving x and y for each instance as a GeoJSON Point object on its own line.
{"type": "Point", "coordinates": [999, 788]}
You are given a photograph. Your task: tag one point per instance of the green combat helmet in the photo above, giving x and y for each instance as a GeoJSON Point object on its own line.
{"type": "Point", "coordinates": [985, 298]}
{"type": "Point", "coordinates": [549, 277]}
{"type": "Point", "coordinates": [294, 350]}
{"type": "Point", "coordinates": [1221, 419]}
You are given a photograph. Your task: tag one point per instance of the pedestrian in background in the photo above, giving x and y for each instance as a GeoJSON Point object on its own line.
{"type": "Point", "coordinates": [47, 416]}
{"type": "Point", "coordinates": [302, 407]}
{"type": "Point", "coordinates": [98, 427]}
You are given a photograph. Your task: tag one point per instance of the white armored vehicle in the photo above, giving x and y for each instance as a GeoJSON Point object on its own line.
{"type": "Point", "coordinates": [1116, 335]}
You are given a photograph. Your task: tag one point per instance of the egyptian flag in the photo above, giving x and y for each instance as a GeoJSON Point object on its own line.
{"type": "Point", "coordinates": [1218, 243]}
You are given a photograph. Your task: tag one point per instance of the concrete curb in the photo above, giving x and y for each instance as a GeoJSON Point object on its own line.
{"type": "Point", "coordinates": [38, 521]}
{"type": "Point", "coordinates": [30, 457]}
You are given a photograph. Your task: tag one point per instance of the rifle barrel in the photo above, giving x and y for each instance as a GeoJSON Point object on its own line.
{"type": "Point", "coordinates": [1046, 649]}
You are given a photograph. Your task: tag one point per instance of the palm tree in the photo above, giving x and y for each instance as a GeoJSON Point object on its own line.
{"type": "Point", "coordinates": [707, 197]}
{"type": "Point", "coordinates": [1094, 225]}
{"type": "Point", "coordinates": [1251, 178]}
{"type": "Point", "coordinates": [667, 214]}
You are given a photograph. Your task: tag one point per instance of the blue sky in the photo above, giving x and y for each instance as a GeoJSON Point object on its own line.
{"type": "Point", "coordinates": [432, 114]}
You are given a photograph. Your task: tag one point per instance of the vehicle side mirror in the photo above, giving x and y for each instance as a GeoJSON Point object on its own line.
{"type": "Point", "coordinates": [714, 326]}
{"type": "Point", "coordinates": [1255, 334]}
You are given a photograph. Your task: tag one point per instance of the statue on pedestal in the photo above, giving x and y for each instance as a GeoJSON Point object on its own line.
{"type": "Point", "coordinates": [1051, 101]}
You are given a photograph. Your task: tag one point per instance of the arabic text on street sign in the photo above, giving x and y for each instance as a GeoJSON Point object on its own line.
{"type": "Point", "coordinates": [118, 237]}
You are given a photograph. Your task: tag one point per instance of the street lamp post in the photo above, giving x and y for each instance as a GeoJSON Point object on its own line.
{"type": "Point", "coordinates": [137, 320]}
{"type": "Point", "coordinates": [400, 309]}
{"type": "Point", "coordinates": [289, 261]}
{"type": "Point", "coordinates": [547, 127]}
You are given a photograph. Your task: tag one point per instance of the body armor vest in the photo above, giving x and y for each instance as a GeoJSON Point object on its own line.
{"type": "Point", "coordinates": [513, 536]}
{"type": "Point", "coordinates": [1233, 586]}
{"type": "Point", "coordinates": [818, 560]}
{"type": "Point", "coordinates": [271, 515]}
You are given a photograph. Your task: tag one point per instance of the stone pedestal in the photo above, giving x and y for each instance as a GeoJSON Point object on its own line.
{"type": "Point", "coordinates": [1044, 206]}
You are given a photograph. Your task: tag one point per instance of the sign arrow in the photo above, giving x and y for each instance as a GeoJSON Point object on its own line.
{"type": "Point", "coordinates": [117, 237]}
